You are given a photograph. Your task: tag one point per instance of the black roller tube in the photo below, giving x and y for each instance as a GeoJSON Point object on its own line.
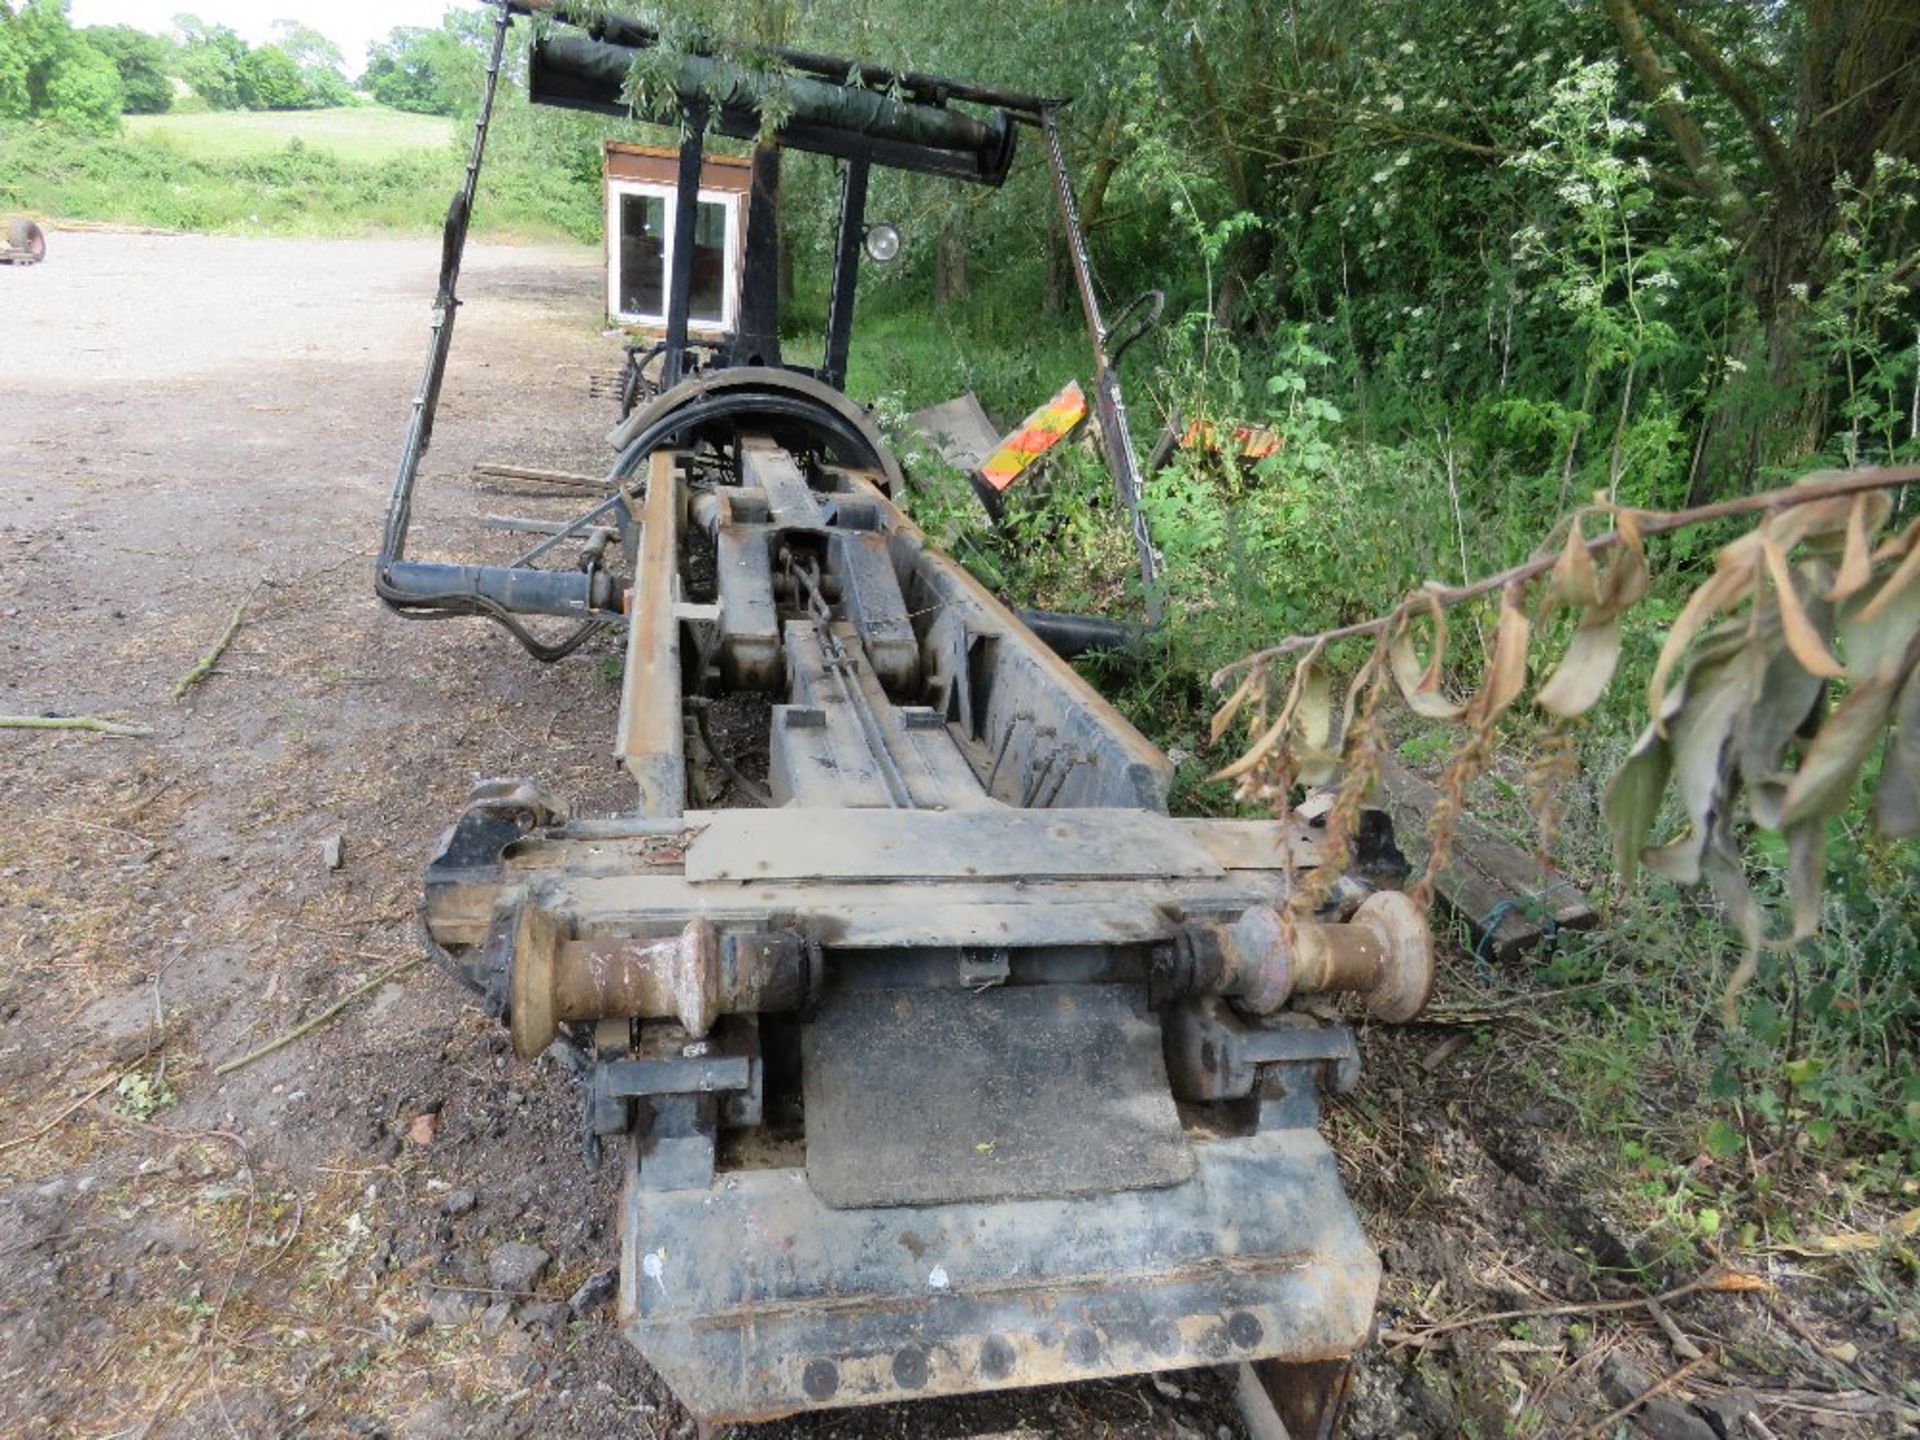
{"type": "Point", "coordinates": [584, 73]}
{"type": "Point", "coordinates": [936, 89]}
{"type": "Point", "coordinates": [1070, 636]}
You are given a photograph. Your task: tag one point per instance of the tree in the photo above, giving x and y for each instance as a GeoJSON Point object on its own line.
{"type": "Point", "coordinates": [142, 60]}
{"type": "Point", "coordinates": [1774, 123]}
{"type": "Point", "coordinates": [49, 71]}
{"type": "Point", "coordinates": [211, 57]}
{"type": "Point", "coordinates": [15, 102]}
{"type": "Point", "coordinates": [320, 62]}
{"type": "Point", "coordinates": [269, 80]}
{"type": "Point", "coordinates": [84, 91]}
{"type": "Point", "coordinates": [422, 70]}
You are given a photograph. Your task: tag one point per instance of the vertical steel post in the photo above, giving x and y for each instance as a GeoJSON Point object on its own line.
{"type": "Point", "coordinates": [846, 271]}
{"type": "Point", "coordinates": [686, 212]}
{"type": "Point", "coordinates": [453, 246]}
{"type": "Point", "coordinates": [1116, 440]}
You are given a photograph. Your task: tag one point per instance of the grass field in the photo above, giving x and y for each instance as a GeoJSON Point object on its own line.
{"type": "Point", "coordinates": [359, 132]}
{"type": "Point", "coordinates": [306, 172]}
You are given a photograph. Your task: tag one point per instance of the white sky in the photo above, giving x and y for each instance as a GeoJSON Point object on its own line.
{"type": "Point", "coordinates": [350, 24]}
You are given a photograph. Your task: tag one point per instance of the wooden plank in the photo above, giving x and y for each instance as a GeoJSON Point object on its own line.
{"type": "Point", "coordinates": [1485, 877]}
{"type": "Point", "coordinates": [489, 472]}
{"type": "Point", "coordinates": [652, 736]}
{"type": "Point", "coordinates": [1255, 844]}
{"type": "Point", "coordinates": [822, 845]}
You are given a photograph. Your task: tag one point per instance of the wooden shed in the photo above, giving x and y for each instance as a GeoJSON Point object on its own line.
{"type": "Point", "coordinates": [641, 190]}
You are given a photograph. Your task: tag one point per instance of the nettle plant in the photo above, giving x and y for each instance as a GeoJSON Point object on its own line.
{"type": "Point", "coordinates": [1612, 283]}
{"type": "Point", "coordinates": [1861, 320]}
{"type": "Point", "coordinates": [1787, 677]}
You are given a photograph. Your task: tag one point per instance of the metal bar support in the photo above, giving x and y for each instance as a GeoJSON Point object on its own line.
{"type": "Point", "coordinates": [846, 271]}
{"type": "Point", "coordinates": [453, 245]}
{"type": "Point", "coordinates": [1115, 437]}
{"type": "Point", "coordinates": [686, 213]}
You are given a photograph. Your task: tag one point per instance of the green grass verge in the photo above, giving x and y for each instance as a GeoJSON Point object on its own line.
{"type": "Point", "coordinates": [361, 132]}
{"type": "Point", "coordinates": [296, 189]}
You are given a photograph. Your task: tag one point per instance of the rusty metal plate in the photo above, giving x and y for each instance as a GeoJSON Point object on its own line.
{"type": "Point", "coordinates": [794, 843]}
{"type": "Point", "coordinates": [752, 1298]}
{"type": "Point", "coordinates": [919, 1097]}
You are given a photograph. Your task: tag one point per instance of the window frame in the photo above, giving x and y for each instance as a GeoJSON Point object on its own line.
{"type": "Point", "coordinates": [729, 200]}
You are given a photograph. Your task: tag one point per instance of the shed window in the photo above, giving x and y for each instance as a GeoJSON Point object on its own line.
{"type": "Point", "coordinates": [640, 255]}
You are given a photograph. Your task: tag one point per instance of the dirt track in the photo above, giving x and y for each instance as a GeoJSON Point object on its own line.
{"type": "Point", "coordinates": [291, 1248]}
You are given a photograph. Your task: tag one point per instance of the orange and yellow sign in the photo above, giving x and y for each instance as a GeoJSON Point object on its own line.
{"type": "Point", "coordinates": [1038, 433]}
{"type": "Point", "coordinates": [1247, 442]}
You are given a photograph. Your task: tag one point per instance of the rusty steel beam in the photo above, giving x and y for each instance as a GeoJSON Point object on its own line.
{"type": "Point", "coordinates": [652, 740]}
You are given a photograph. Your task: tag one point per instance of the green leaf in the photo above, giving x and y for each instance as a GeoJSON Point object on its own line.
{"type": "Point", "coordinates": [1824, 782]}
{"type": "Point", "coordinates": [1799, 1072]}
{"type": "Point", "coordinates": [1723, 1140]}
{"type": "Point", "coordinates": [1897, 807]}
{"type": "Point", "coordinates": [1633, 798]}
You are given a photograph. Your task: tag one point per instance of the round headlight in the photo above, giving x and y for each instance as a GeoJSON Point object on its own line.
{"type": "Point", "coordinates": [883, 242]}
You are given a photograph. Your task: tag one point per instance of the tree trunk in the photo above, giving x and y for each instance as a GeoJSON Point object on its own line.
{"type": "Point", "coordinates": [1053, 293]}
{"type": "Point", "coordinates": [950, 264]}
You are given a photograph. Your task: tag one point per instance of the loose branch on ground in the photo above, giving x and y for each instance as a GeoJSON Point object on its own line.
{"type": "Point", "coordinates": [54, 1124]}
{"type": "Point", "coordinates": [1718, 1278]}
{"type": "Point", "coordinates": [1651, 522]}
{"type": "Point", "coordinates": [72, 722]}
{"type": "Point", "coordinates": [1659, 1387]}
{"type": "Point", "coordinates": [203, 667]}
{"type": "Point", "coordinates": [227, 1067]}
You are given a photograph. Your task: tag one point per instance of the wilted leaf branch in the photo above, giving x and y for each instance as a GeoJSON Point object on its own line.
{"type": "Point", "coordinates": [1786, 671]}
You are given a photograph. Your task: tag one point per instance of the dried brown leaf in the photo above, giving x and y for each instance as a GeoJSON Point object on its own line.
{"type": "Point", "coordinates": [1783, 696]}
{"type": "Point", "coordinates": [1897, 584]}
{"type": "Point", "coordinates": [1313, 727]}
{"type": "Point", "coordinates": [1735, 569]}
{"type": "Point", "coordinates": [1802, 638]}
{"type": "Point", "coordinates": [1876, 635]}
{"type": "Point", "coordinates": [1856, 561]}
{"type": "Point", "coordinates": [1224, 716]}
{"type": "Point", "coordinates": [1507, 668]}
{"type": "Point", "coordinates": [1420, 684]}
{"type": "Point", "coordinates": [1723, 1278]}
{"type": "Point", "coordinates": [1584, 671]}
{"type": "Point", "coordinates": [1806, 863]}
{"type": "Point", "coordinates": [1574, 582]}
{"type": "Point", "coordinates": [1710, 703]}
{"type": "Point", "coordinates": [1897, 805]}
{"type": "Point", "coordinates": [1632, 801]}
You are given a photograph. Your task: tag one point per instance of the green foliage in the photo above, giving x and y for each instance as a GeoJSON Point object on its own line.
{"type": "Point", "coordinates": [16, 100]}
{"type": "Point", "coordinates": [142, 61]}
{"type": "Point", "coordinates": [49, 71]}
{"type": "Point", "coordinates": [427, 71]}
{"type": "Point", "coordinates": [211, 60]}
{"type": "Point", "coordinates": [269, 80]}
{"type": "Point", "coordinates": [301, 70]}
{"type": "Point", "coordinates": [84, 92]}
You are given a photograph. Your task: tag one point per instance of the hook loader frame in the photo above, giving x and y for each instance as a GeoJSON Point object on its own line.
{"type": "Point", "coordinates": [956, 1062]}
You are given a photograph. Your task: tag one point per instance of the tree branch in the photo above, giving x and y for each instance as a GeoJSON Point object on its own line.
{"type": "Point", "coordinates": [1729, 81]}
{"type": "Point", "coordinates": [1652, 522]}
{"type": "Point", "coordinates": [1687, 135]}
